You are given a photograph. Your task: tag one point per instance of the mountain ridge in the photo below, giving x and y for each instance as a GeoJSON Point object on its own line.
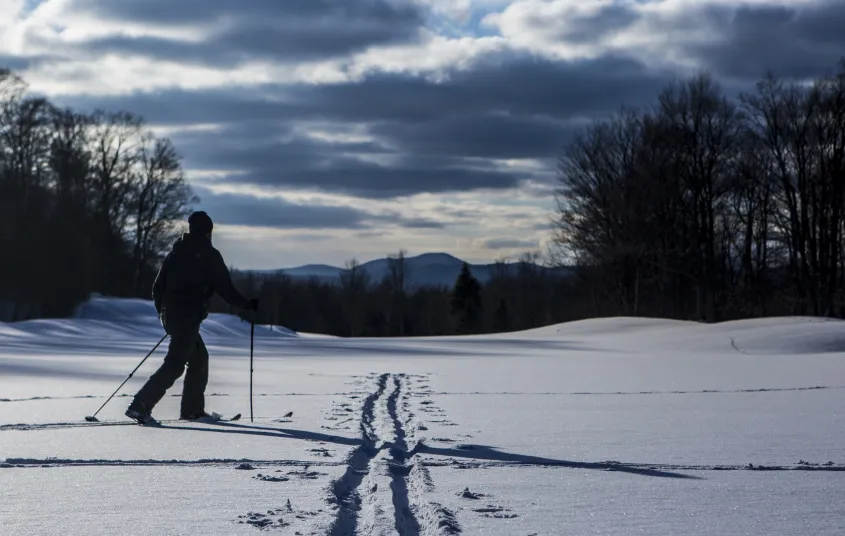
{"type": "Point", "coordinates": [426, 269]}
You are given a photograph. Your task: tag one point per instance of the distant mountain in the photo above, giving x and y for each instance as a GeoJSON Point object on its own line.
{"type": "Point", "coordinates": [319, 270]}
{"type": "Point", "coordinates": [428, 269]}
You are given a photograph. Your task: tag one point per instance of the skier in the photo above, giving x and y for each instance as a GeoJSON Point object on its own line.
{"type": "Point", "coordinates": [191, 273]}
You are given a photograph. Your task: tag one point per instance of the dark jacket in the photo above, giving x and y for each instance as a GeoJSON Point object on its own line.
{"type": "Point", "coordinates": [191, 273]}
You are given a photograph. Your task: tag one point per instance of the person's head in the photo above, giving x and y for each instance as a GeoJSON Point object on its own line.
{"type": "Point", "coordinates": [199, 223]}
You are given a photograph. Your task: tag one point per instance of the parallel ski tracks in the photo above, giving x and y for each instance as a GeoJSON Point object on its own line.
{"type": "Point", "coordinates": [383, 474]}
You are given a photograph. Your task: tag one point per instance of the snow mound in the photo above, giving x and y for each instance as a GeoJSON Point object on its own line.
{"type": "Point", "coordinates": [609, 325]}
{"type": "Point", "coordinates": [785, 335]}
{"type": "Point", "coordinates": [113, 318]}
{"type": "Point", "coordinates": [771, 336]}
{"type": "Point", "coordinates": [117, 309]}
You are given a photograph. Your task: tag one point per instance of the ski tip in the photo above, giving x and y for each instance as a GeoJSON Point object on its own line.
{"type": "Point", "coordinates": [236, 417]}
{"type": "Point", "coordinates": [288, 414]}
{"type": "Point", "coordinates": [91, 419]}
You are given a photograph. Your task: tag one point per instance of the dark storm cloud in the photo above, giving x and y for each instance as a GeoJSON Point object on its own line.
{"type": "Point", "coordinates": [201, 12]}
{"type": "Point", "coordinates": [185, 107]}
{"type": "Point", "coordinates": [15, 63]}
{"type": "Point", "coordinates": [506, 106]}
{"type": "Point", "coordinates": [315, 164]}
{"type": "Point", "coordinates": [800, 42]}
{"type": "Point", "coordinates": [367, 179]}
{"type": "Point", "coordinates": [509, 243]}
{"type": "Point", "coordinates": [593, 26]}
{"type": "Point", "coordinates": [279, 30]}
{"type": "Point", "coordinates": [248, 210]}
{"type": "Point", "coordinates": [412, 223]}
{"type": "Point", "coordinates": [479, 135]}
{"type": "Point", "coordinates": [543, 226]}
{"type": "Point", "coordinates": [520, 85]}
{"type": "Point", "coordinates": [287, 160]}
{"type": "Point", "coordinates": [512, 82]}
{"type": "Point", "coordinates": [239, 209]}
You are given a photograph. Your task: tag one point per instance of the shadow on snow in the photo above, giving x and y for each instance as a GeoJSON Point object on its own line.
{"type": "Point", "coordinates": [473, 452]}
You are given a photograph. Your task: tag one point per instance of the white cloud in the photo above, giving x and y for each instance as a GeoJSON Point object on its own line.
{"type": "Point", "coordinates": [655, 32]}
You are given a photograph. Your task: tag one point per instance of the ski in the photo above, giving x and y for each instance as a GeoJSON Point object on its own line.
{"type": "Point", "coordinates": [149, 421]}
{"type": "Point", "coordinates": [152, 423]}
{"type": "Point", "coordinates": [216, 417]}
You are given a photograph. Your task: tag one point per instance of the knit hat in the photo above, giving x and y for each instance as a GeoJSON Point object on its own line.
{"type": "Point", "coordinates": [200, 223]}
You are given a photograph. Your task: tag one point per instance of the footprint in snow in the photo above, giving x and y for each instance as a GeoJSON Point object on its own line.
{"type": "Point", "coordinates": [274, 519]}
{"type": "Point", "coordinates": [270, 519]}
{"type": "Point", "coordinates": [467, 494]}
{"type": "Point", "coordinates": [268, 478]}
{"type": "Point", "coordinates": [445, 423]}
{"type": "Point", "coordinates": [495, 512]}
{"type": "Point", "coordinates": [306, 474]}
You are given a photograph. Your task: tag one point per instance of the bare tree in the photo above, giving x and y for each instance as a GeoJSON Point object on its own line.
{"type": "Point", "coordinates": [397, 280]}
{"type": "Point", "coordinates": [160, 200]}
{"type": "Point", "coordinates": [354, 282]}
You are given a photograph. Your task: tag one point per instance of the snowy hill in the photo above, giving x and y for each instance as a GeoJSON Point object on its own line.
{"type": "Point", "coordinates": [428, 269]}
{"type": "Point", "coordinates": [605, 426]}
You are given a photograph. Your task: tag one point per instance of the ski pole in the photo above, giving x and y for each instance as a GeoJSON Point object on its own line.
{"type": "Point", "coordinates": [251, 339]}
{"type": "Point", "coordinates": [93, 418]}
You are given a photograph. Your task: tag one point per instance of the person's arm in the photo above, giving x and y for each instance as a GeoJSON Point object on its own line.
{"type": "Point", "coordinates": [160, 283]}
{"type": "Point", "coordinates": [221, 280]}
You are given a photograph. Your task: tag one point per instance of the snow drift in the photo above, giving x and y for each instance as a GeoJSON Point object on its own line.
{"type": "Point", "coordinates": [126, 318]}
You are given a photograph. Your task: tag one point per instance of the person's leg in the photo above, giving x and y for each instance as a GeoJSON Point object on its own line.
{"type": "Point", "coordinates": [196, 379]}
{"type": "Point", "coordinates": [182, 343]}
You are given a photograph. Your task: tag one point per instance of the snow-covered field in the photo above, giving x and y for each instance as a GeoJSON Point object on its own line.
{"type": "Point", "coordinates": [609, 426]}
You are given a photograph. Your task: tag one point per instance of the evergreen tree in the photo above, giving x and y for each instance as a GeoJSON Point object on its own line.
{"type": "Point", "coordinates": [502, 318]}
{"type": "Point", "coordinates": [466, 302]}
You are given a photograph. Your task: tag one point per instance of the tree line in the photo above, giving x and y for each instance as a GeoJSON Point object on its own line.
{"type": "Point", "coordinates": [88, 203]}
{"type": "Point", "coordinates": [518, 295]}
{"type": "Point", "coordinates": [708, 207]}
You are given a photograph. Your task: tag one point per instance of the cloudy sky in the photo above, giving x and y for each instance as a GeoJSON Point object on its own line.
{"type": "Point", "coordinates": [319, 130]}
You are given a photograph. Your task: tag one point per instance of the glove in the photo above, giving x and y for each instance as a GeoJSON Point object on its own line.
{"type": "Point", "coordinates": [162, 317]}
{"type": "Point", "coordinates": [253, 304]}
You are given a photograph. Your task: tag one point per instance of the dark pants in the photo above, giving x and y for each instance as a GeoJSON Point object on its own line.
{"type": "Point", "coordinates": [186, 348]}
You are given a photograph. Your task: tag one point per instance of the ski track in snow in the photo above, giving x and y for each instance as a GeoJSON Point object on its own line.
{"type": "Point", "coordinates": [382, 491]}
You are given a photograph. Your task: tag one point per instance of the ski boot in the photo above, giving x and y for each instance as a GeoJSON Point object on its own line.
{"type": "Point", "coordinates": [201, 416]}
{"type": "Point", "coordinates": [139, 413]}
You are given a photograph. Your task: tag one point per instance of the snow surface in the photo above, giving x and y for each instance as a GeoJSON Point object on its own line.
{"type": "Point", "coordinates": [608, 426]}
